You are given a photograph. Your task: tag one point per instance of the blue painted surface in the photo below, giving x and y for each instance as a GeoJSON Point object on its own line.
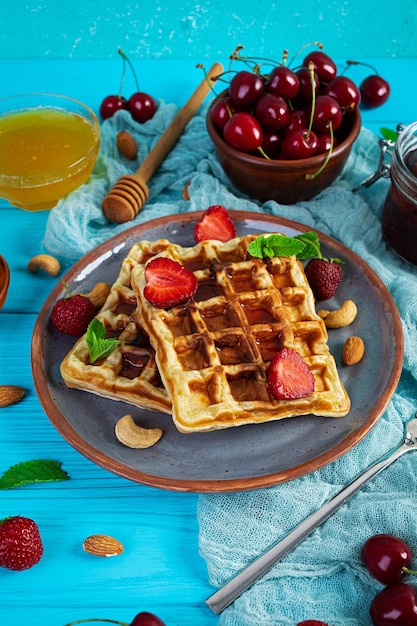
{"type": "Point", "coordinates": [166, 29]}
{"type": "Point", "coordinates": [161, 570]}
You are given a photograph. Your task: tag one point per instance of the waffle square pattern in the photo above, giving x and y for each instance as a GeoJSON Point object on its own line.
{"type": "Point", "coordinates": [213, 351]}
{"type": "Point", "coordinates": [129, 373]}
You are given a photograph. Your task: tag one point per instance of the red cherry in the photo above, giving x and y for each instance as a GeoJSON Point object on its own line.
{"type": "Point", "coordinates": [110, 105]}
{"type": "Point", "coordinates": [298, 120]}
{"type": "Point", "coordinates": [300, 145]}
{"type": "Point", "coordinates": [272, 112]}
{"type": "Point", "coordinates": [326, 110]}
{"type": "Point", "coordinates": [324, 66]}
{"type": "Point", "coordinates": [305, 93]}
{"type": "Point", "coordinates": [245, 87]}
{"type": "Point", "coordinates": [374, 91]}
{"type": "Point", "coordinates": [344, 90]}
{"type": "Point", "coordinates": [385, 556]}
{"type": "Point", "coordinates": [283, 82]}
{"type": "Point", "coordinates": [311, 622]}
{"type": "Point", "coordinates": [271, 144]}
{"type": "Point", "coordinates": [146, 619]}
{"type": "Point", "coordinates": [395, 605]}
{"type": "Point", "coordinates": [325, 142]}
{"type": "Point", "coordinates": [243, 132]}
{"type": "Point", "coordinates": [222, 111]}
{"type": "Point", "coordinates": [141, 106]}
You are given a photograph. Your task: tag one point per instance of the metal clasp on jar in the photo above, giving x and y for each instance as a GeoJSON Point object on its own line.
{"type": "Point", "coordinates": [383, 170]}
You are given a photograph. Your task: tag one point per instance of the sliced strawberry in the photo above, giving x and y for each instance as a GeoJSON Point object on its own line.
{"type": "Point", "coordinates": [168, 283]}
{"type": "Point", "coordinates": [215, 224]}
{"type": "Point", "coordinates": [288, 376]}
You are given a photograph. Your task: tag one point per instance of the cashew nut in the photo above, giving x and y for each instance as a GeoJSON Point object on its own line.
{"type": "Point", "coordinates": [98, 294]}
{"type": "Point", "coordinates": [339, 317]}
{"type": "Point", "coordinates": [45, 262]}
{"type": "Point", "coordinates": [134, 436]}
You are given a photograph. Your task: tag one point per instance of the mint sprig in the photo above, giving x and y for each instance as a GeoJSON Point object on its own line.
{"type": "Point", "coordinates": [36, 471]}
{"type": "Point", "coordinates": [99, 346]}
{"type": "Point", "coordinates": [303, 246]}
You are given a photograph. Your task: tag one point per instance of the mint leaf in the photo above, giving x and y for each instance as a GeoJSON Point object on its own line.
{"type": "Point", "coordinates": [98, 346]}
{"type": "Point", "coordinates": [390, 135]}
{"type": "Point", "coordinates": [275, 245]}
{"type": "Point", "coordinates": [311, 245]}
{"type": "Point", "coordinates": [37, 471]}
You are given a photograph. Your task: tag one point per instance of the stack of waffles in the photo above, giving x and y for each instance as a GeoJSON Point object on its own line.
{"type": "Point", "coordinates": [205, 361]}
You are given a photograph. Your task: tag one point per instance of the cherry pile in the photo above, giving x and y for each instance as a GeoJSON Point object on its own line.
{"type": "Point", "coordinates": [388, 559]}
{"type": "Point", "coordinates": [141, 105]}
{"type": "Point", "coordinates": [290, 113]}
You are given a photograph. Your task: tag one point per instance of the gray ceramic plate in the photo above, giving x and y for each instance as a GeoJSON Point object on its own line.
{"type": "Point", "coordinates": [237, 458]}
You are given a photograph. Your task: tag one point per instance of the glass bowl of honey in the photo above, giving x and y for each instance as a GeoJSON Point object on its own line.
{"type": "Point", "coordinates": [49, 145]}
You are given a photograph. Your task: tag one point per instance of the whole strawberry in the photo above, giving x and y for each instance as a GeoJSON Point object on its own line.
{"type": "Point", "coordinates": [73, 314]}
{"type": "Point", "coordinates": [324, 276]}
{"type": "Point", "coordinates": [20, 543]}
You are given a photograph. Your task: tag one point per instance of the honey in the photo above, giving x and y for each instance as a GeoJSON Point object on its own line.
{"type": "Point", "coordinates": [45, 153]}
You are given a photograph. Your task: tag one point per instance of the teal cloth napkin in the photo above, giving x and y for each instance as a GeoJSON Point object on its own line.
{"type": "Point", "coordinates": [323, 578]}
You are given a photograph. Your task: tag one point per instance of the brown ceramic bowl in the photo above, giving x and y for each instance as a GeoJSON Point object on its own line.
{"type": "Point", "coordinates": [4, 280]}
{"type": "Point", "coordinates": [281, 180]}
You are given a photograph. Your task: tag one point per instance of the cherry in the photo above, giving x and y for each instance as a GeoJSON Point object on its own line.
{"type": "Point", "coordinates": [283, 82]}
{"type": "Point", "coordinates": [141, 106]}
{"type": "Point", "coordinates": [243, 132]}
{"type": "Point", "coordinates": [146, 619]}
{"type": "Point", "coordinates": [386, 557]}
{"type": "Point", "coordinates": [344, 90]}
{"type": "Point", "coordinates": [222, 111]}
{"type": "Point", "coordinates": [327, 110]}
{"type": "Point", "coordinates": [326, 142]}
{"type": "Point", "coordinates": [271, 144]}
{"type": "Point", "coordinates": [245, 87]}
{"type": "Point", "coordinates": [324, 66]}
{"type": "Point", "coordinates": [110, 105]}
{"type": "Point", "coordinates": [301, 144]}
{"type": "Point", "coordinates": [272, 112]}
{"type": "Point", "coordinates": [311, 622]}
{"type": "Point", "coordinates": [298, 120]}
{"type": "Point", "coordinates": [395, 605]}
{"type": "Point", "coordinates": [374, 91]}
{"type": "Point", "coordinates": [305, 93]}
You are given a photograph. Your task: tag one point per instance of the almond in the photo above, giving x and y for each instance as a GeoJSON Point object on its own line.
{"type": "Point", "coordinates": [102, 545]}
{"type": "Point", "coordinates": [10, 394]}
{"type": "Point", "coordinates": [353, 350]}
{"type": "Point", "coordinates": [127, 145]}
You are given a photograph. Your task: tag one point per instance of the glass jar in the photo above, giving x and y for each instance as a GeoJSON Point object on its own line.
{"type": "Point", "coordinates": [399, 216]}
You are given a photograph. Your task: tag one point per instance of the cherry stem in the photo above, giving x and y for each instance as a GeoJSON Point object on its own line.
{"type": "Point", "coordinates": [313, 97]}
{"type": "Point", "coordinates": [96, 619]}
{"type": "Point", "coordinates": [285, 57]}
{"type": "Point", "coordinates": [375, 71]}
{"type": "Point", "coordinates": [261, 150]}
{"type": "Point", "coordinates": [124, 57]}
{"type": "Point", "coordinates": [209, 81]}
{"type": "Point", "coordinates": [408, 571]}
{"type": "Point", "coordinates": [306, 45]}
{"type": "Point", "coordinates": [326, 160]}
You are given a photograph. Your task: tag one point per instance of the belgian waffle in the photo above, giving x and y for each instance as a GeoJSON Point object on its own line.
{"type": "Point", "coordinates": [213, 351]}
{"type": "Point", "coordinates": [129, 373]}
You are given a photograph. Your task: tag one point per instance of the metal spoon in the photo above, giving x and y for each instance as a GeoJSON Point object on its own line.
{"type": "Point", "coordinates": [237, 585]}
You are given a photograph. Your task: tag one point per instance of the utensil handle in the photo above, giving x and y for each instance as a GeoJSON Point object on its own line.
{"type": "Point", "coordinates": [171, 135]}
{"type": "Point", "coordinates": [237, 585]}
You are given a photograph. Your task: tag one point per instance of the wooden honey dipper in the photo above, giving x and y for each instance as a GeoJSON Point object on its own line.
{"type": "Point", "coordinates": [128, 195]}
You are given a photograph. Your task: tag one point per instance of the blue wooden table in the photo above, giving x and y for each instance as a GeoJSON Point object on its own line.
{"type": "Point", "coordinates": [161, 570]}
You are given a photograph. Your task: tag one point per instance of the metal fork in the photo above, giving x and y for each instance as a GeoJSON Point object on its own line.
{"type": "Point", "coordinates": [237, 585]}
